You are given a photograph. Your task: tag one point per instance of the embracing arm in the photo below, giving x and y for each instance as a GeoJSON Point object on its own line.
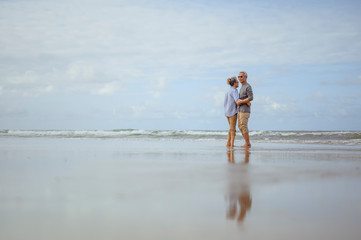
{"type": "Point", "coordinates": [246, 101]}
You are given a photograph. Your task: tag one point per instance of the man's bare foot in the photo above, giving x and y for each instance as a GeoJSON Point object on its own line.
{"type": "Point", "coordinates": [246, 146]}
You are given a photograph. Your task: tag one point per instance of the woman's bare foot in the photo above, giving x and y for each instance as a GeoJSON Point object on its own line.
{"type": "Point", "coordinates": [246, 146]}
{"type": "Point", "coordinates": [230, 145]}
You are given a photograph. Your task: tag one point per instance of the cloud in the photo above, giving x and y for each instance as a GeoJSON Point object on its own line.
{"type": "Point", "coordinates": [144, 110]}
{"type": "Point", "coordinates": [267, 105]}
{"type": "Point", "coordinates": [107, 89]}
{"type": "Point", "coordinates": [80, 71]}
{"type": "Point", "coordinates": [170, 36]}
{"type": "Point", "coordinates": [179, 115]}
{"type": "Point", "coordinates": [46, 89]}
{"type": "Point", "coordinates": [319, 96]}
{"type": "Point", "coordinates": [158, 86]}
{"type": "Point", "coordinates": [138, 111]}
{"type": "Point", "coordinates": [342, 112]}
{"type": "Point", "coordinates": [29, 77]}
{"type": "Point", "coordinates": [175, 34]}
{"type": "Point", "coordinates": [215, 95]}
{"type": "Point", "coordinates": [346, 81]}
{"type": "Point", "coordinates": [29, 83]}
{"type": "Point", "coordinates": [12, 109]}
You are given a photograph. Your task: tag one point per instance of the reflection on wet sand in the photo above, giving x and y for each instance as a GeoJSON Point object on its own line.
{"type": "Point", "coordinates": [230, 155]}
{"type": "Point", "coordinates": [238, 199]}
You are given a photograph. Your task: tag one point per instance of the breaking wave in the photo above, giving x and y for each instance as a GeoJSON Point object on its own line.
{"type": "Point", "coordinates": [306, 137]}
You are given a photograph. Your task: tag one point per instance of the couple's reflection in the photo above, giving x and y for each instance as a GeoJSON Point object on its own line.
{"type": "Point", "coordinates": [239, 199]}
{"type": "Point", "coordinates": [230, 155]}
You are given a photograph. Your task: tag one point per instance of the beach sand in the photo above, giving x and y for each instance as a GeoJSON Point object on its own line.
{"type": "Point", "coordinates": [54, 188]}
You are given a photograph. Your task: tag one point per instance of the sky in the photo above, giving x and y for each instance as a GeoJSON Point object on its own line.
{"type": "Point", "coordinates": [163, 65]}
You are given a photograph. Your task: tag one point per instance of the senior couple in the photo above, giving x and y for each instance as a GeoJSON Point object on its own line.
{"type": "Point", "coordinates": [238, 106]}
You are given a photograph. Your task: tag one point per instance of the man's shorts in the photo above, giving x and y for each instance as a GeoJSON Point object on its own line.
{"type": "Point", "coordinates": [243, 122]}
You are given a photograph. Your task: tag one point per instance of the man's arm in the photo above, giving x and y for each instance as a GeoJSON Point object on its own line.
{"type": "Point", "coordinates": [246, 101]}
{"type": "Point", "coordinates": [250, 95]}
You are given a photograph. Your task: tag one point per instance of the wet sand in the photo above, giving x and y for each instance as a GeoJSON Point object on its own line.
{"type": "Point", "coordinates": [116, 189]}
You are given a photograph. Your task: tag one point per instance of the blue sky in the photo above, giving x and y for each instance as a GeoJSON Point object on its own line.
{"type": "Point", "coordinates": [163, 64]}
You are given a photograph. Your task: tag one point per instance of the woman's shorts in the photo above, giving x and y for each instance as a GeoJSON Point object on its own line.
{"type": "Point", "coordinates": [232, 123]}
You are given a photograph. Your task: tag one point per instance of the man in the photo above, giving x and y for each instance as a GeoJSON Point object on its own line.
{"type": "Point", "coordinates": [244, 110]}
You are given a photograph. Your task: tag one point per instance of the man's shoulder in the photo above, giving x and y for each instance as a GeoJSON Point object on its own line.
{"type": "Point", "coordinates": [247, 85]}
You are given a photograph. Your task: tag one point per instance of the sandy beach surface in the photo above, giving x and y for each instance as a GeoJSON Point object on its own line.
{"type": "Point", "coordinates": [54, 188]}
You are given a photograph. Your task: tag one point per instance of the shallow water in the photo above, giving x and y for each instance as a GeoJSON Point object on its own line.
{"type": "Point", "coordinates": [132, 189]}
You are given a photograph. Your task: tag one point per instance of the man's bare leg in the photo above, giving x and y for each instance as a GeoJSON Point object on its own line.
{"type": "Point", "coordinates": [246, 138]}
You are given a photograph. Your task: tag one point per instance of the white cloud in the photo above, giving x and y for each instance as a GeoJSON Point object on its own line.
{"type": "Point", "coordinates": [147, 110]}
{"type": "Point", "coordinates": [28, 77]}
{"type": "Point", "coordinates": [345, 81]}
{"type": "Point", "coordinates": [179, 115]}
{"type": "Point", "coordinates": [319, 96]}
{"type": "Point", "coordinates": [178, 34]}
{"type": "Point", "coordinates": [107, 89]}
{"type": "Point", "coordinates": [46, 89]}
{"type": "Point", "coordinates": [28, 84]}
{"type": "Point", "coordinates": [157, 87]}
{"type": "Point", "coordinates": [80, 71]}
{"type": "Point", "coordinates": [154, 41]}
{"type": "Point", "coordinates": [138, 111]}
{"type": "Point", "coordinates": [161, 83]}
{"type": "Point", "coordinates": [215, 97]}
{"type": "Point", "coordinates": [350, 81]}
{"type": "Point", "coordinates": [267, 105]}
{"type": "Point", "coordinates": [214, 113]}
{"type": "Point", "coordinates": [341, 112]}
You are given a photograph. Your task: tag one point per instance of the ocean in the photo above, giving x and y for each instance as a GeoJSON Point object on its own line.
{"type": "Point", "coordinates": [298, 137]}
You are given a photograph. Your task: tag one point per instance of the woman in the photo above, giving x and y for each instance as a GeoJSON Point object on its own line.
{"type": "Point", "coordinates": [231, 101]}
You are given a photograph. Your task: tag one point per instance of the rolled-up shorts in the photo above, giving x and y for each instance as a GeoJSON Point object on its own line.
{"type": "Point", "coordinates": [232, 121]}
{"type": "Point", "coordinates": [243, 121]}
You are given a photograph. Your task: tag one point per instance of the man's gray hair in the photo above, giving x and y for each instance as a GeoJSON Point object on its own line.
{"type": "Point", "coordinates": [231, 81]}
{"type": "Point", "coordinates": [245, 73]}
